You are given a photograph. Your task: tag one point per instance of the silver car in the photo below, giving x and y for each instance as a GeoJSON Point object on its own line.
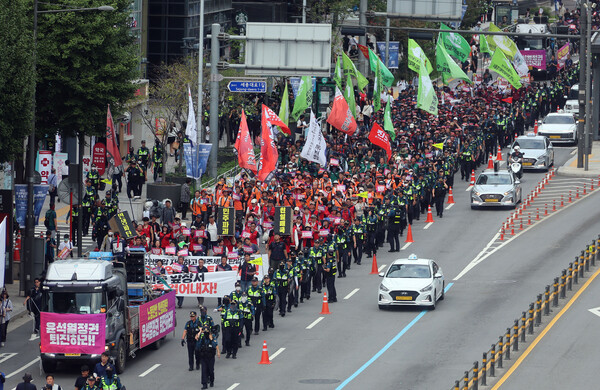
{"type": "Point", "coordinates": [496, 188]}
{"type": "Point", "coordinates": [559, 127]}
{"type": "Point", "coordinates": [538, 152]}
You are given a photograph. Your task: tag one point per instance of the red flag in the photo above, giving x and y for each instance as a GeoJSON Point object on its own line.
{"type": "Point", "coordinates": [268, 147]}
{"type": "Point", "coordinates": [364, 50]}
{"type": "Point", "coordinates": [111, 140]}
{"type": "Point", "coordinates": [341, 117]}
{"type": "Point", "coordinates": [243, 146]}
{"type": "Point", "coordinates": [380, 138]}
{"type": "Point", "coordinates": [508, 100]}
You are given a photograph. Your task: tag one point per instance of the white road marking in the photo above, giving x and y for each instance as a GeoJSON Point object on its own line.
{"type": "Point", "coordinates": [5, 356]}
{"type": "Point", "coordinates": [595, 311]}
{"type": "Point", "coordinates": [277, 352]}
{"type": "Point", "coordinates": [312, 324]}
{"type": "Point", "coordinates": [33, 337]}
{"type": "Point", "coordinates": [148, 371]}
{"type": "Point", "coordinates": [381, 267]}
{"type": "Point", "coordinates": [233, 386]}
{"type": "Point", "coordinates": [405, 246]}
{"type": "Point", "coordinates": [573, 152]}
{"type": "Point", "coordinates": [352, 293]}
{"type": "Point", "coordinates": [450, 206]}
{"type": "Point", "coordinates": [469, 188]}
{"type": "Point", "coordinates": [18, 370]}
{"type": "Point", "coordinates": [427, 226]}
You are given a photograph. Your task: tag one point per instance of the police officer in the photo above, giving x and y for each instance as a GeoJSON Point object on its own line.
{"type": "Point", "coordinates": [395, 214]}
{"type": "Point", "coordinates": [157, 153]}
{"type": "Point", "coordinates": [110, 380]}
{"type": "Point", "coordinates": [190, 331]}
{"type": "Point", "coordinates": [282, 281]}
{"type": "Point", "coordinates": [358, 239]}
{"type": "Point", "coordinates": [257, 298]}
{"type": "Point", "coordinates": [143, 155]}
{"type": "Point", "coordinates": [205, 319]}
{"type": "Point", "coordinates": [236, 294]}
{"type": "Point", "coordinates": [133, 178]}
{"type": "Point", "coordinates": [439, 194]}
{"type": "Point", "coordinates": [94, 177]}
{"type": "Point", "coordinates": [231, 329]}
{"type": "Point", "coordinates": [317, 257]}
{"type": "Point", "coordinates": [75, 224]}
{"type": "Point", "coordinates": [207, 347]}
{"type": "Point", "coordinates": [293, 272]}
{"type": "Point", "coordinates": [371, 223]}
{"type": "Point", "coordinates": [343, 248]}
{"type": "Point", "coordinates": [304, 267]}
{"type": "Point", "coordinates": [268, 291]}
{"type": "Point", "coordinates": [330, 270]}
{"type": "Point", "coordinates": [247, 310]}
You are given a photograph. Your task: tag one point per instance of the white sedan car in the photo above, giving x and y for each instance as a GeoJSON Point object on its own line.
{"type": "Point", "coordinates": [559, 127]}
{"type": "Point", "coordinates": [411, 282]}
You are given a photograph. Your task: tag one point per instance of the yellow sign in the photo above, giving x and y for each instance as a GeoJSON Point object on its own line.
{"type": "Point", "coordinates": [439, 146]}
{"type": "Point", "coordinates": [257, 261]}
{"type": "Point", "coordinates": [364, 194]}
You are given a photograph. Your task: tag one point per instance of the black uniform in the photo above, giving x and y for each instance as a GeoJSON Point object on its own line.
{"type": "Point", "coordinates": [192, 328]}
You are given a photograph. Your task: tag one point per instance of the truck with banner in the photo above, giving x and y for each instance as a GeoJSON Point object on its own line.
{"type": "Point", "coordinates": [88, 308]}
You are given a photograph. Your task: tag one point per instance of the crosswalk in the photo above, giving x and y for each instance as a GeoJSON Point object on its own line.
{"type": "Point", "coordinates": [62, 229]}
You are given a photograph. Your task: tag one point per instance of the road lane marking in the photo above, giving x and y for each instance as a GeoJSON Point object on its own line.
{"type": "Point", "coordinates": [352, 292]}
{"type": "Point", "coordinates": [405, 246]}
{"type": "Point", "coordinates": [5, 356]}
{"type": "Point", "coordinates": [233, 386]}
{"type": "Point", "coordinates": [276, 353]}
{"type": "Point", "coordinates": [381, 267]}
{"type": "Point", "coordinates": [148, 371]}
{"type": "Point", "coordinates": [427, 226]}
{"type": "Point", "coordinates": [595, 311]}
{"type": "Point", "coordinates": [312, 324]}
{"type": "Point", "coordinates": [469, 188]}
{"type": "Point", "coordinates": [482, 255]}
{"type": "Point", "coordinates": [546, 330]}
{"type": "Point", "coordinates": [573, 152]}
{"type": "Point", "coordinates": [449, 206]}
{"type": "Point", "coordinates": [387, 346]}
{"type": "Point", "coordinates": [18, 370]}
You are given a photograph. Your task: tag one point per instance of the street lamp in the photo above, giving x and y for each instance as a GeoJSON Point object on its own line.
{"type": "Point", "coordinates": [25, 273]}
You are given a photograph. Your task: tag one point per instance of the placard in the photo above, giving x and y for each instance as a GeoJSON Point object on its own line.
{"type": "Point", "coordinates": [283, 221]}
{"type": "Point", "coordinates": [122, 223]}
{"type": "Point", "coordinates": [157, 318]}
{"type": "Point", "coordinates": [72, 333]}
{"type": "Point", "coordinates": [307, 234]}
{"type": "Point", "coordinates": [226, 221]}
{"type": "Point", "coordinates": [206, 284]}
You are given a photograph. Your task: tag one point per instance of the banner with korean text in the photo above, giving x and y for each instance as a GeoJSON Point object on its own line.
{"type": "Point", "coordinates": [72, 333]}
{"type": "Point", "coordinates": [206, 284]}
{"type": "Point", "coordinates": [157, 318]}
{"type": "Point", "coordinates": [210, 262]}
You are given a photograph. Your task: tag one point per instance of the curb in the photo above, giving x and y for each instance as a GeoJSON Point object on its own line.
{"type": "Point", "coordinates": [18, 315]}
{"type": "Point", "coordinates": [566, 170]}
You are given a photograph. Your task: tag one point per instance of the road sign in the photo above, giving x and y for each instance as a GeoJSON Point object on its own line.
{"type": "Point", "coordinates": [247, 86]}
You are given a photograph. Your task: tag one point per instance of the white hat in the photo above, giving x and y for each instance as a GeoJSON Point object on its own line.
{"type": "Point", "coordinates": [296, 208]}
{"type": "Point", "coordinates": [254, 201]}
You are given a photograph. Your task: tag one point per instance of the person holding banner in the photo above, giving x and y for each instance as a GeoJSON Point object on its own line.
{"type": "Point", "coordinates": [65, 248]}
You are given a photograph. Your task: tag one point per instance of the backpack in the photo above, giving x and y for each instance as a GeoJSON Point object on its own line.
{"type": "Point", "coordinates": [47, 220]}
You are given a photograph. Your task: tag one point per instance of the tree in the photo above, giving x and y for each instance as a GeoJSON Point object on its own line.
{"type": "Point", "coordinates": [86, 60]}
{"type": "Point", "coordinates": [16, 81]}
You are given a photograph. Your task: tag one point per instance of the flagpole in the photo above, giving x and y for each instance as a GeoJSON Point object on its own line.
{"type": "Point", "coordinates": [200, 130]}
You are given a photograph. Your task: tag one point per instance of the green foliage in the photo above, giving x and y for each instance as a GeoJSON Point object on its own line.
{"type": "Point", "coordinates": [16, 81]}
{"type": "Point", "coordinates": [86, 60]}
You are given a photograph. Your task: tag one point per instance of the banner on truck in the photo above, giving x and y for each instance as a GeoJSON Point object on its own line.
{"type": "Point", "coordinates": [157, 319]}
{"type": "Point", "coordinates": [72, 333]}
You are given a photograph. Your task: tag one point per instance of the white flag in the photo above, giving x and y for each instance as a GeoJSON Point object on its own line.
{"type": "Point", "coordinates": [191, 130]}
{"type": "Point", "coordinates": [314, 148]}
{"type": "Point", "coordinates": [520, 65]}
{"type": "Point", "coordinates": [2, 251]}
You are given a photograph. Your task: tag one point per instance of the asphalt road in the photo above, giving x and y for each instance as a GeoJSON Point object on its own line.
{"type": "Point", "coordinates": [359, 346]}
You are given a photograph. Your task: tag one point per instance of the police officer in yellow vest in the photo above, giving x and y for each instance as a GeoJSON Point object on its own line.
{"type": "Point", "coordinates": [110, 381]}
{"type": "Point", "coordinates": [330, 270]}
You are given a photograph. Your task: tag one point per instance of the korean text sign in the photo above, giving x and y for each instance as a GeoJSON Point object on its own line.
{"type": "Point", "coordinates": [72, 333]}
{"type": "Point", "coordinates": [283, 220]}
{"type": "Point", "coordinates": [157, 318]}
{"type": "Point", "coordinates": [208, 284]}
{"type": "Point", "coordinates": [226, 221]}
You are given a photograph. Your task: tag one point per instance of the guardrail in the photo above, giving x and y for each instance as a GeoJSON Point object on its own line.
{"type": "Point", "coordinates": [529, 319]}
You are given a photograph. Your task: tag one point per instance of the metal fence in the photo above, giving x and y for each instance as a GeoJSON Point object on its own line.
{"type": "Point", "coordinates": [529, 319]}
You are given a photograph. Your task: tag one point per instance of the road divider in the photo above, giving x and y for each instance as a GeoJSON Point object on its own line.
{"type": "Point", "coordinates": [529, 319]}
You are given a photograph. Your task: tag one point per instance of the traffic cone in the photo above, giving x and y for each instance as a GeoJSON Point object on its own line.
{"type": "Point", "coordinates": [374, 268]}
{"type": "Point", "coordinates": [325, 308]}
{"type": "Point", "coordinates": [473, 177]}
{"type": "Point", "coordinates": [499, 154]}
{"type": "Point", "coordinates": [450, 197]}
{"type": "Point", "coordinates": [429, 215]}
{"type": "Point", "coordinates": [535, 127]}
{"type": "Point", "coordinates": [264, 358]}
{"type": "Point", "coordinates": [409, 237]}
{"type": "Point", "coordinates": [491, 162]}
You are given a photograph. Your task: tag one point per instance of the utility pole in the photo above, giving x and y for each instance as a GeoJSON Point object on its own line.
{"type": "Point", "coordinates": [588, 87]}
{"type": "Point", "coordinates": [582, 82]}
{"type": "Point", "coordinates": [303, 11]}
{"type": "Point", "coordinates": [200, 129]}
{"type": "Point", "coordinates": [214, 98]}
{"type": "Point", "coordinates": [362, 19]}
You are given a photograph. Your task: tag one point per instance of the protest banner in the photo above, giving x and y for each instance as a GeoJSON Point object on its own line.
{"type": "Point", "coordinates": [226, 221]}
{"type": "Point", "coordinates": [207, 284]}
{"type": "Point", "coordinates": [210, 262]}
{"type": "Point", "coordinates": [283, 221]}
{"type": "Point", "coordinates": [157, 319]}
{"type": "Point", "coordinates": [72, 333]}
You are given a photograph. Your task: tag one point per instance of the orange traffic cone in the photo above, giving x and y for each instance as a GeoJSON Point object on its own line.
{"type": "Point", "coordinates": [325, 308]}
{"type": "Point", "coordinates": [450, 197]}
{"type": "Point", "coordinates": [472, 177]}
{"type": "Point", "coordinates": [491, 162]}
{"type": "Point", "coordinates": [429, 215]}
{"type": "Point", "coordinates": [499, 154]}
{"type": "Point", "coordinates": [374, 268]}
{"type": "Point", "coordinates": [409, 237]}
{"type": "Point", "coordinates": [535, 127]}
{"type": "Point", "coordinates": [264, 358]}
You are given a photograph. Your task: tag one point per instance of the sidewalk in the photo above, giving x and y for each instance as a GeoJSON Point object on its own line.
{"type": "Point", "coordinates": [570, 167]}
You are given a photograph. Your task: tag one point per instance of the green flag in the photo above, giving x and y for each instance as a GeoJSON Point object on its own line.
{"type": "Point", "coordinates": [416, 55]}
{"type": "Point", "coordinates": [350, 69]}
{"type": "Point", "coordinates": [304, 98]}
{"type": "Point", "coordinates": [284, 110]}
{"type": "Point", "coordinates": [378, 88]}
{"type": "Point", "coordinates": [349, 95]}
{"type": "Point", "coordinates": [483, 45]}
{"type": "Point", "coordinates": [388, 126]}
{"type": "Point", "coordinates": [504, 43]}
{"type": "Point", "coordinates": [501, 65]}
{"type": "Point", "coordinates": [454, 43]}
{"type": "Point", "coordinates": [446, 65]}
{"type": "Point", "coordinates": [386, 76]}
{"type": "Point", "coordinates": [337, 75]}
{"type": "Point", "coordinates": [426, 97]}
